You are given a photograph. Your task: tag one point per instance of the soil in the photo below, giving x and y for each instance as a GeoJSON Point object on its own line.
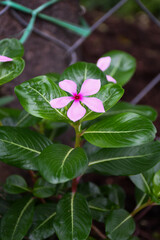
{"type": "Point", "coordinates": [137, 36]}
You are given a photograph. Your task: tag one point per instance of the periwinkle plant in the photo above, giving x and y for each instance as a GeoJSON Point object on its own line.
{"type": "Point", "coordinates": [111, 138]}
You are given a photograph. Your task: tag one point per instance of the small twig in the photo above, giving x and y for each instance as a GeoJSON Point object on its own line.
{"type": "Point", "coordinates": [98, 232]}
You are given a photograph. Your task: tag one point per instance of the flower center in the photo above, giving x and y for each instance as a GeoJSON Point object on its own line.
{"type": "Point", "coordinates": [77, 97]}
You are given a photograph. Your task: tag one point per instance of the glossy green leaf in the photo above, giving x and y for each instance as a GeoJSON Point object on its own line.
{"type": "Point", "coordinates": [156, 184]}
{"type": "Point", "coordinates": [11, 70]}
{"type": "Point", "coordinates": [6, 100]}
{"type": "Point", "coordinates": [42, 227]}
{"type": "Point", "coordinates": [73, 219]}
{"type": "Point", "coordinates": [54, 77]}
{"type": "Point", "coordinates": [18, 219]}
{"type": "Point", "coordinates": [121, 130]}
{"type": "Point", "coordinates": [126, 161]}
{"type": "Point", "coordinates": [133, 238]}
{"type": "Point", "coordinates": [43, 189]}
{"type": "Point", "coordinates": [109, 94]}
{"type": "Point", "coordinates": [119, 225]}
{"type": "Point", "coordinates": [114, 193]}
{"type": "Point", "coordinates": [81, 71]}
{"type": "Point", "coordinates": [35, 96]}
{"type": "Point", "coordinates": [11, 48]}
{"type": "Point", "coordinates": [59, 163]}
{"type": "Point", "coordinates": [121, 107]}
{"type": "Point", "coordinates": [15, 184]}
{"type": "Point", "coordinates": [122, 66]}
{"type": "Point", "coordinates": [19, 147]}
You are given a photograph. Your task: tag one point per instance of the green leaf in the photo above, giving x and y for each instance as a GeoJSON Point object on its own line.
{"type": "Point", "coordinates": [26, 120]}
{"type": "Point", "coordinates": [15, 184]}
{"type": "Point", "coordinates": [109, 94]}
{"type": "Point", "coordinates": [156, 184]}
{"type": "Point", "coordinates": [11, 48]}
{"type": "Point", "coordinates": [4, 206]}
{"type": "Point", "coordinates": [114, 193]}
{"type": "Point", "coordinates": [121, 130]}
{"type": "Point", "coordinates": [122, 66]}
{"type": "Point", "coordinates": [9, 112]}
{"type": "Point", "coordinates": [6, 100]}
{"type": "Point", "coordinates": [119, 225]}
{"type": "Point", "coordinates": [43, 189]}
{"type": "Point", "coordinates": [42, 227]}
{"type": "Point", "coordinates": [35, 96]}
{"type": "Point", "coordinates": [59, 163]}
{"type": "Point", "coordinates": [11, 70]}
{"type": "Point", "coordinates": [99, 207]}
{"type": "Point", "coordinates": [126, 161]}
{"type": "Point", "coordinates": [54, 77]}
{"type": "Point", "coordinates": [81, 71]}
{"type": "Point", "coordinates": [73, 219]}
{"type": "Point", "coordinates": [17, 221]}
{"type": "Point", "coordinates": [89, 190]}
{"type": "Point", "coordinates": [121, 107]}
{"type": "Point", "coordinates": [133, 238]}
{"type": "Point", "coordinates": [19, 147]}
{"type": "Point", "coordinates": [143, 181]}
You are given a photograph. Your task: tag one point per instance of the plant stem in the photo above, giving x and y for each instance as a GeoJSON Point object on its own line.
{"type": "Point", "coordinates": [77, 144]}
{"type": "Point", "coordinates": [136, 210]}
{"type": "Point", "coordinates": [98, 232]}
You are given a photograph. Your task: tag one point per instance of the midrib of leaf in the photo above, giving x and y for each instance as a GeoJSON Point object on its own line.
{"type": "Point", "coordinates": [126, 219]}
{"type": "Point", "coordinates": [72, 213]}
{"type": "Point", "coordinates": [145, 182]}
{"type": "Point", "coordinates": [130, 131]}
{"type": "Point", "coordinates": [48, 102]}
{"type": "Point", "coordinates": [98, 209]}
{"type": "Point", "coordinates": [20, 216]}
{"type": "Point", "coordinates": [116, 158]}
{"type": "Point", "coordinates": [141, 200]}
{"type": "Point", "coordinates": [21, 146]}
{"type": "Point", "coordinates": [23, 188]}
{"type": "Point", "coordinates": [44, 222]}
{"type": "Point", "coordinates": [4, 76]}
{"type": "Point", "coordinates": [22, 119]}
{"type": "Point", "coordinates": [115, 68]}
{"type": "Point", "coordinates": [66, 156]}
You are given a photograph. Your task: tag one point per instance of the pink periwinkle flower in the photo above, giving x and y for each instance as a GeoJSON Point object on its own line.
{"type": "Point", "coordinates": [77, 111]}
{"type": "Point", "coordinates": [5, 59]}
{"type": "Point", "coordinates": [104, 63]}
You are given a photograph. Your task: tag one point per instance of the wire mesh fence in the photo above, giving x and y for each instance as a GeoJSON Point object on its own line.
{"type": "Point", "coordinates": [84, 30]}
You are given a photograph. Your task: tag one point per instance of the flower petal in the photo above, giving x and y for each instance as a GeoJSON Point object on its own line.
{"type": "Point", "coordinates": [76, 111]}
{"type": "Point", "coordinates": [90, 87]}
{"type": "Point", "coordinates": [103, 63]}
{"type": "Point", "coordinates": [68, 86]}
{"type": "Point", "coordinates": [5, 59]}
{"type": "Point", "coordinates": [60, 102]}
{"type": "Point", "coordinates": [110, 79]}
{"type": "Point", "coordinates": [94, 104]}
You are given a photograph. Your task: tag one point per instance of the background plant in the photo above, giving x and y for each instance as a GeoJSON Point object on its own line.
{"type": "Point", "coordinates": [119, 142]}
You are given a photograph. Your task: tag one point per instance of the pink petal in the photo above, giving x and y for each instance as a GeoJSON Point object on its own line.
{"type": "Point", "coordinates": [68, 86]}
{"type": "Point", "coordinates": [93, 103]}
{"type": "Point", "coordinates": [103, 63]}
{"type": "Point", "coordinates": [90, 87]}
{"type": "Point", "coordinates": [60, 102]}
{"type": "Point", "coordinates": [110, 79]}
{"type": "Point", "coordinates": [76, 111]}
{"type": "Point", "coordinates": [5, 59]}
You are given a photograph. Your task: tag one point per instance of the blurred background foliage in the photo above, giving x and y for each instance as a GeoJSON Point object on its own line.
{"type": "Point", "coordinates": [130, 8]}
